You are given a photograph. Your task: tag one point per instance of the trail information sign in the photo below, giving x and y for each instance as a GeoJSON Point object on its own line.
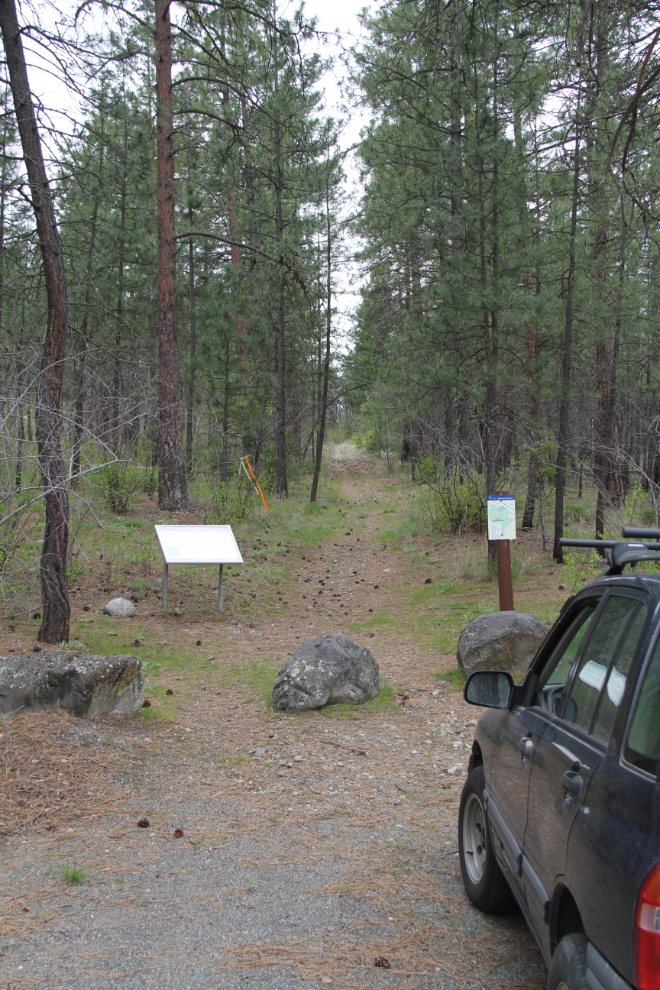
{"type": "Point", "coordinates": [198, 545]}
{"type": "Point", "coordinates": [501, 517]}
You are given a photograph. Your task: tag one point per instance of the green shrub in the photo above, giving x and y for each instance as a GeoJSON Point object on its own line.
{"type": "Point", "coordinates": [457, 503]}
{"type": "Point", "coordinates": [235, 500]}
{"type": "Point", "coordinates": [374, 442]}
{"type": "Point", "coordinates": [121, 481]}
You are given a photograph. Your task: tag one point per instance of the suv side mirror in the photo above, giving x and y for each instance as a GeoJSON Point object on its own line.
{"type": "Point", "coordinates": [489, 688]}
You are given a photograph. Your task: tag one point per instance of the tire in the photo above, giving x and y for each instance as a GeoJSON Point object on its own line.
{"type": "Point", "coordinates": [568, 966]}
{"type": "Point", "coordinates": [483, 880]}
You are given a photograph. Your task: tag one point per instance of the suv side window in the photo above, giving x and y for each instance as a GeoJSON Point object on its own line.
{"type": "Point", "coordinates": [615, 636]}
{"type": "Point", "coordinates": [615, 687]}
{"type": "Point", "coordinates": [559, 664]}
{"type": "Point", "coordinates": [643, 744]}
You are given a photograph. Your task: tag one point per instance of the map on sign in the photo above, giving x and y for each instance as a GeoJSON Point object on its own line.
{"type": "Point", "coordinates": [198, 545]}
{"type": "Point", "coordinates": [501, 517]}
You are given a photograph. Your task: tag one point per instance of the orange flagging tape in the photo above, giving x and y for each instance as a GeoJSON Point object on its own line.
{"type": "Point", "coordinates": [256, 483]}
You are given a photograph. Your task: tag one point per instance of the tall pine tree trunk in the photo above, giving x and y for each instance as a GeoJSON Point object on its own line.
{"type": "Point", "coordinates": [533, 467]}
{"type": "Point", "coordinates": [489, 329]}
{"type": "Point", "coordinates": [566, 346]}
{"type": "Point", "coordinates": [607, 344]}
{"type": "Point", "coordinates": [281, 486]}
{"type": "Point", "coordinates": [79, 403]}
{"type": "Point", "coordinates": [326, 365]}
{"type": "Point", "coordinates": [56, 609]}
{"type": "Point", "coordinates": [116, 381]}
{"type": "Point", "coordinates": [193, 355]}
{"type": "Point", "coordinates": [224, 464]}
{"type": "Point", "coordinates": [172, 489]}
{"type": "Point", "coordinates": [607, 359]}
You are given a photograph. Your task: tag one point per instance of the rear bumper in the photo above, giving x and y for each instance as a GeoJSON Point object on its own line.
{"type": "Point", "coordinates": [600, 975]}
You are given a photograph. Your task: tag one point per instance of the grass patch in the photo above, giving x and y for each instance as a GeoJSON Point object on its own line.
{"type": "Point", "coordinates": [453, 677]}
{"type": "Point", "coordinates": [384, 702]}
{"type": "Point", "coordinates": [73, 874]}
{"type": "Point", "coordinates": [380, 621]}
{"type": "Point", "coordinates": [155, 714]}
{"type": "Point", "coordinates": [256, 676]}
{"type": "Point", "coordinates": [548, 615]}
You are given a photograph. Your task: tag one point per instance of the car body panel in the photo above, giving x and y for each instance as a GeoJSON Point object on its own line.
{"type": "Point", "coordinates": [551, 810]}
{"type": "Point", "coordinates": [598, 846]}
{"type": "Point", "coordinates": [614, 843]}
{"type": "Point", "coordinates": [509, 781]}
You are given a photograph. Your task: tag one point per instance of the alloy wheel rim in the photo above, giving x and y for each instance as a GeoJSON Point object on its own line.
{"type": "Point", "coordinates": [474, 839]}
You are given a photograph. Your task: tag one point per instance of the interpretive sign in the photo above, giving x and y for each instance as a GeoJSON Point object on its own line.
{"type": "Point", "coordinates": [198, 545]}
{"type": "Point", "coordinates": [501, 517]}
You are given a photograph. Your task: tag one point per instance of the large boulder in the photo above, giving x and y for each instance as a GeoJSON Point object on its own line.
{"type": "Point", "coordinates": [120, 607]}
{"type": "Point", "coordinates": [80, 685]}
{"type": "Point", "coordinates": [499, 641]}
{"type": "Point", "coordinates": [325, 670]}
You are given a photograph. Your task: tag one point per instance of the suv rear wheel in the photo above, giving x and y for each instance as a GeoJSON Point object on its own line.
{"type": "Point", "coordinates": [484, 882]}
{"type": "Point", "coordinates": [568, 966]}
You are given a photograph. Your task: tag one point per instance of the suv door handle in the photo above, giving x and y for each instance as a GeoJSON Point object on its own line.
{"type": "Point", "coordinates": [572, 782]}
{"type": "Point", "coordinates": [526, 747]}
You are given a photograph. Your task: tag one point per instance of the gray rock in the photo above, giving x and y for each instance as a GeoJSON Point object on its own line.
{"type": "Point", "coordinates": [324, 670]}
{"type": "Point", "coordinates": [80, 685]}
{"type": "Point", "coordinates": [499, 641]}
{"type": "Point", "coordinates": [121, 607]}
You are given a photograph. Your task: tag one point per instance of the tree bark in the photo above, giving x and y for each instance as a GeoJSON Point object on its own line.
{"type": "Point", "coordinates": [607, 344]}
{"type": "Point", "coordinates": [116, 381]}
{"type": "Point", "coordinates": [79, 405]}
{"type": "Point", "coordinates": [190, 398]}
{"type": "Point", "coordinates": [56, 609]}
{"type": "Point", "coordinates": [3, 196]}
{"type": "Point", "coordinates": [281, 486]}
{"type": "Point", "coordinates": [326, 365]}
{"type": "Point", "coordinates": [533, 468]}
{"type": "Point", "coordinates": [193, 355]}
{"type": "Point", "coordinates": [564, 404]}
{"type": "Point", "coordinates": [224, 469]}
{"type": "Point", "coordinates": [607, 358]}
{"type": "Point", "coordinates": [172, 489]}
{"type": "Point", "coordinates": [489, 328]}
{"type": "Point", "coordinates": [532, 328]}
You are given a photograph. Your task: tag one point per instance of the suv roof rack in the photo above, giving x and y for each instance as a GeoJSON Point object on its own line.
{"type": "Point", "coordinates": [621, 552]}
{"type": "Point", "coordinates": [641, 534]}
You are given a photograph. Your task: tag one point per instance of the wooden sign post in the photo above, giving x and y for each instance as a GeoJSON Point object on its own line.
{"type": "Point", "coordinates": [502, 528]}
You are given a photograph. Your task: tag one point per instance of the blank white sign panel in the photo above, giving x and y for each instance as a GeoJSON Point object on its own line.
{"type": "Point", "coordinates": [198, 545]}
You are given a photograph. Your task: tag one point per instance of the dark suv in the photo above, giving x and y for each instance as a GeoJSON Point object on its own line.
{"type": "Point", "coordinates": [561, 808]}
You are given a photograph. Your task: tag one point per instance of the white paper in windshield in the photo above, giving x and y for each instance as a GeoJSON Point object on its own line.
{"type": "Point", "coordinates": [616, 685]}
{"type": "Point", "coordinates": [593, 674]}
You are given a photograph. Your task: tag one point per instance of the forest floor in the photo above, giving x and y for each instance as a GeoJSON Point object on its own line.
{"type": "Point", "coordinates": [299, 866]}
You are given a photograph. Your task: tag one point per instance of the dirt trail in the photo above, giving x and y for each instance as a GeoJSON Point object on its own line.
{"type": "Point", "coordinates": [299, 866]}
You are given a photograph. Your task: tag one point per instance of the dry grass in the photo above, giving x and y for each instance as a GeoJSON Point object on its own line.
{"type": "Point", "coordinates": [45, 780]}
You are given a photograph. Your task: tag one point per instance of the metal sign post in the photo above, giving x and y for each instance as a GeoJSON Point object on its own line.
{"type": "Point", "coordinates": [198, 545]}
{"type": "Point", "coordinates": [502, 528]}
